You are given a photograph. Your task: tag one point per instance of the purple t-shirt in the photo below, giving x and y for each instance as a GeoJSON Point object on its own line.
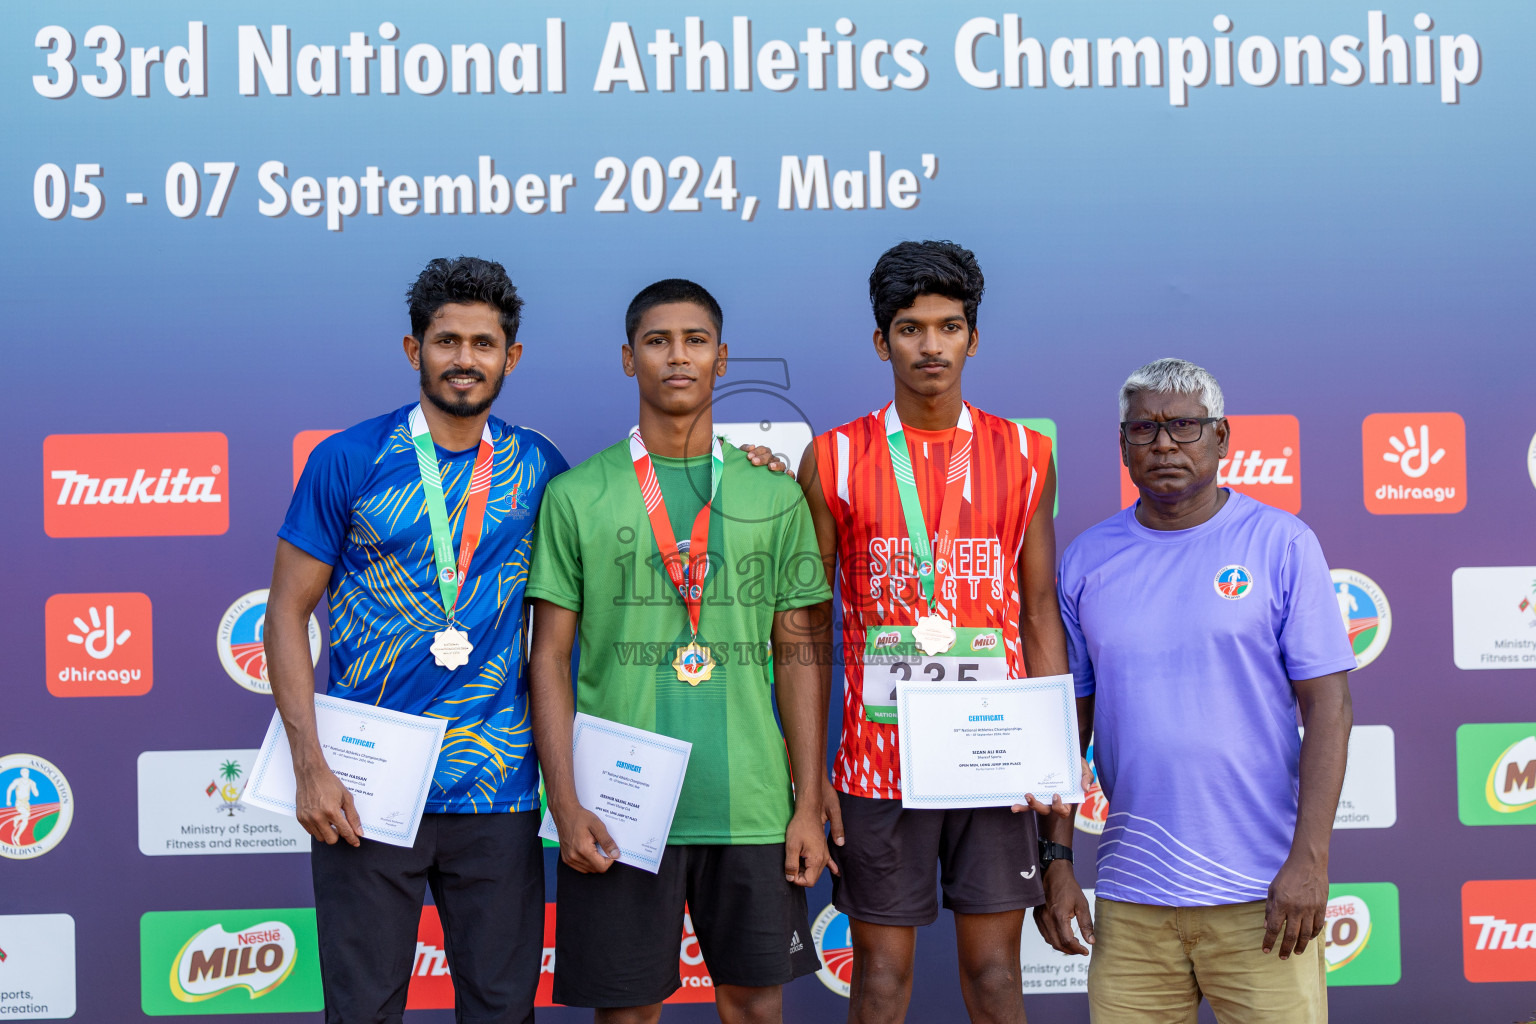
{"type": "Point", "coordinates": [1188, 640]}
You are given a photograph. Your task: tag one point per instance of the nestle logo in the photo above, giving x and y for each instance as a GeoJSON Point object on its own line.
{"type": "Point", "coordinates": [885, 640]}
{"type": "Point", "coordinates": [135, 485]}
{"type": "Point", "coordinates": [983, 641]}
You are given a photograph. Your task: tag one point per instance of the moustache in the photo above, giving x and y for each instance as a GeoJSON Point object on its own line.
{"type": "Point", "coordinates": [941, 363]}
{"type": "Point", "coordinates": [472, 373]}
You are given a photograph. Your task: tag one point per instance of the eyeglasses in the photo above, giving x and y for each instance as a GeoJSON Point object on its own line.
{"type": "Point", "coordinates": [1181, 431]}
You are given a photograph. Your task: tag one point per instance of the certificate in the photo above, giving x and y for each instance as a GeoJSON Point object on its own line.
{"type": "Point", "coordinates": [987, 744]}
{"type": "Point", "coordinates": [631, 779]}
{"type": "Point", "coordinates": [385, 758]}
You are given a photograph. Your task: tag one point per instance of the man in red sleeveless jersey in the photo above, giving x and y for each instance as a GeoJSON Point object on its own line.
{"type": "Point", "coordinates": [962, 545]}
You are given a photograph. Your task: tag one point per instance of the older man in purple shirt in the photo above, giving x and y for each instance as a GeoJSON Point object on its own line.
{"type": "Point", "coordinates": [1199, 621]}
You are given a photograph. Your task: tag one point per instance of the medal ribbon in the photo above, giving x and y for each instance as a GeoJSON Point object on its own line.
{"type": "Point", "coordinates": [688, 580]}
{"type": "Point", "coordinates": [449, 574]}
{"type": "Point", "coordinates": [912, 504]}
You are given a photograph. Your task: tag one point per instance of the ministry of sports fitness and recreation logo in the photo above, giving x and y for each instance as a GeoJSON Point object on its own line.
{"type": "Point", "coordinates": [229, 961]}
{"type": "Point", "coordinates": [36, 806]}
{"type": "Point", "coordinates": [135, 485]}
{"type": "Point", "coordinates": [834, 947]}
{"type": "Point", "coordinates": [240, 636]}
{"type": "Point", "coordinates": [99, 645]}
{"type": "Point", "coordinates": [1414, 462]}
{"type": "Point", "coordinates": [1367, 615]}
{"type": "Point", "coordinates": [1233, 582]}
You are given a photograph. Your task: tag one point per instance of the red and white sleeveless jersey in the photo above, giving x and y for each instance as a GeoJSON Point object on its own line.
{"type": "Point", "coordinates": [877, 579]}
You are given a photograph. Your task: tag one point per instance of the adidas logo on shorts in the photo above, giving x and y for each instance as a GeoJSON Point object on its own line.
{"type": "Point", "coordinates": [795, 945]}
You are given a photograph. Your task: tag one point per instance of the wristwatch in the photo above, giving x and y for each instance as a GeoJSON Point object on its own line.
{"type": "Point", "coordinates": [1050, 851]}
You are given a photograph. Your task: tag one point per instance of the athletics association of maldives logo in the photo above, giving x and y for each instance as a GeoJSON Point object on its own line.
{"type": "Point", "coordinates": [1233, 582]}
{"type": "Point", "coordinates": [834, 947]}
{"type": "Point", "coordinates": [1366, 613]}
{"type": "Point", "coordinates": [36, 806]}
{"type": "Point", "coordinates": [135, 485]}
{"type": "Point", "coordinates": [1093, 812]}
{"type": "Point", "coordinates": [240, 636]}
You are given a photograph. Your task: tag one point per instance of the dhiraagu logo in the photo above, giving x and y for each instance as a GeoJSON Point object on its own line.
{"type": "Point", "coordinates": [1361, 940]}
{"type": "Point", "coordinates": [229, 961]}
{"type": "Point", "coordinates": [1496, 773]}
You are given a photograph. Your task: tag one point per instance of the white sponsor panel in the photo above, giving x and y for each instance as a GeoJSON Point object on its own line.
{"type": "Point", "coordinates": [37, 966]}
{"type": "Point", "coordinates": [1046, 969]}
{"type": "Point", "coordinates": [189, 804]}
{"type": "Point", "coordinates": [786, 439]}
{"type": "Point", "coordinates": [1369, 797]}
{"type": "Point", "coordinates": [1493, 616]}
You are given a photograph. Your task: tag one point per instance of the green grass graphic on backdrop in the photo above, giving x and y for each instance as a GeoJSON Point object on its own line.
{"type": "Point", "coordinates": [1496, 773]}
{"type": "Point", "coordinates": [1379, 959]}
{"type": "Point", "coordinates": [164, 934]}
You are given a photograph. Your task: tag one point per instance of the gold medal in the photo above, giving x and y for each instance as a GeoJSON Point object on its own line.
{"type": "Point", "coordinates": [694, 663]}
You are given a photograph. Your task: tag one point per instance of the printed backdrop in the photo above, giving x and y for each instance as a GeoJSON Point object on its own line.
{"type": "Point", "coordinates": [212, 212]}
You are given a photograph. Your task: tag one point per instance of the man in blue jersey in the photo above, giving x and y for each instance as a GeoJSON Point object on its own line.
{"type": "Point", "coordinates": [360, 530]}
{"type": "Point", "coordinates": [1199, 621]}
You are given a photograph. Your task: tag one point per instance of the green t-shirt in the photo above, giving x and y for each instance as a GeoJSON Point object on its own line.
{"type": "Point", "coordinates": [597, 555]}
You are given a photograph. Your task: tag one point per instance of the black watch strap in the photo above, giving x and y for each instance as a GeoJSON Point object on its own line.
{"type": "Point", "coordinates": [1050, 851]}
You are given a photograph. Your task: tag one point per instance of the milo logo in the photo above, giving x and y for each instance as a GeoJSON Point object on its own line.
{"type": "Point", "coordinates": [983, 641]}
{"type": "Point", "coordinates": [890, 639]}
{"type": "Point", "coordinates": [214, 960]}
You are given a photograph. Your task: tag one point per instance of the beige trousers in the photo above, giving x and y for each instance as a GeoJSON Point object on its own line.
{"type": "Point", "coordinates": [1152, 965]}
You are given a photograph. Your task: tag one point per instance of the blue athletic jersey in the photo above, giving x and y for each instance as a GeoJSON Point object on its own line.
{"type": "Point", "coordinates": [359, 508]}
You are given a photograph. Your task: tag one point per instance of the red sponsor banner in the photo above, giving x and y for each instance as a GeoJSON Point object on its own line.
{"type": "Point", "coordinates": [304, 442]}
{"type": "Point", "coordinates": [1263, 461]}
{"type": "Point", "coordinates": [135, 485]}
{"type": "Point", "coordinates": [1498, 930]}
{"type": "Point", "coordinates": [432, 984]}
{"type": "Point", "coordinates": [99, 645]}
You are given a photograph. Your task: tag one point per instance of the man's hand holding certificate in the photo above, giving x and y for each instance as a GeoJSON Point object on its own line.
{"type": "Point", "coordinates": [384, 758]}
{"type": "Point", "coordinates": [988, 744]}
{"type": "Point", "coordinates": [627, 783]}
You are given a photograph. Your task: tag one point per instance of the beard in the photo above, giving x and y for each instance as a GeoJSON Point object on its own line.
{"type": "Point", "coordinates": [459, 405]}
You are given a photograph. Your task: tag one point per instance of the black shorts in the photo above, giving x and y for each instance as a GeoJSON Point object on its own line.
{"type": "Point", "coordinates": [988, 859]}
{"type": "Point", "coordinates": [486, 872]}
{"type": "Point", "coordinates": [618, 934]}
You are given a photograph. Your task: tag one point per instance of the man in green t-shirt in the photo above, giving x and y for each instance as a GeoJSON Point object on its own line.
{"type": "Point", "coordinates": [696, 648]}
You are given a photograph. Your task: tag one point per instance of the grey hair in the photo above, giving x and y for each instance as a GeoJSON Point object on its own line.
{"type": "Point", "coordinates": [1174, 376]}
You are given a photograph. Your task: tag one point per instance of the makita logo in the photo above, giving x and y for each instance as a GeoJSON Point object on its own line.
{"type": "Point", "coordinates": [1497, 933]}
{"type": "Point", "coordinates": [1255, 469]}
{"type": "Point", "coordinates": [143, 489]}
{"type": "Point", "coordinates": [135, 485]}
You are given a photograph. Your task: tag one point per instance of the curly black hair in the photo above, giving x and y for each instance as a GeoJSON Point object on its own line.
{"type": "Point", "coordinates": [468, 279]}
